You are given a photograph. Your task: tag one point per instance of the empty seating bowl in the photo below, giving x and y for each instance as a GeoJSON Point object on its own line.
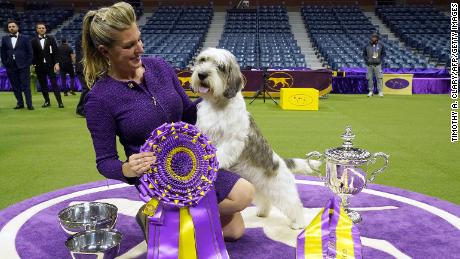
{"type": "Point", "coordinates": [88, 216]}
{"type": "Point", "coordinates": [100, 243]}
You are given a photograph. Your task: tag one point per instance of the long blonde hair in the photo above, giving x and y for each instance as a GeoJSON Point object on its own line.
{"type": "Point", "coordinates": [99, 28]}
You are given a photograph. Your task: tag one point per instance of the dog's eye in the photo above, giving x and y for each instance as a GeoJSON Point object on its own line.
{"type": "Point", "coordinates": [221, 67]}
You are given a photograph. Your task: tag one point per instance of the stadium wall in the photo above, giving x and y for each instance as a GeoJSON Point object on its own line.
{"type": "Point", "coordinates": [85, 4]}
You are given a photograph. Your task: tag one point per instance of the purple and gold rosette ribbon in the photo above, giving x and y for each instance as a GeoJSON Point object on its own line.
{"type": "Point", "coordinates": [331, 234]}
{"type": "Point", "coordinates": [181, 203]}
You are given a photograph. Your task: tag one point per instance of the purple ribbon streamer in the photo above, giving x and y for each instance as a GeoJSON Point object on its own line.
{"type": "Point", "coordinates": [301, 245]}
{"type": "Point", "coordinates": [215, 220]}
{"type": "Point", "coordinates": [152, 242]}
{"type": "Point", "coordinates": [158, 217]}
{"type": "Point", "coordinates": [164, 230]}
{"type": "Point", "coordinates": [331, 236]}
{"type": "Point", "coordinates": [169, 238]}
{"type": "Point", "coordinates": [164, 239]}
{"type": "Point", "coordinates": [325, 232]}
{"type": "Point", "coordinates": [356, 241]}
{"type": "Point", "coordinates": [154, 231]}
{"type": "Point", "coordinates": [205, 242]}
{"type": "Point", "coordinates": [208, 232]}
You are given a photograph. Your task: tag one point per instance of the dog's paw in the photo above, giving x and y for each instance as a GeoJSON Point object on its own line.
{"type": "Point", "coordinates": [222, 159]}
{"type": "Point", "coordinates": [313, 166]}
{"type": "Point", "coordinates": [263, 213]}
{"type": "Point", "coordinates": [296, 226]}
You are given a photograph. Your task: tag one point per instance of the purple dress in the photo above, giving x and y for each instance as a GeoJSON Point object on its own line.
{"type": "Point", "coordinates": [131, 111]}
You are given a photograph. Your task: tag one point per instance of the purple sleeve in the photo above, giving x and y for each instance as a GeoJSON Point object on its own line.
{"type": "Point", "coordinates": [101, 125]}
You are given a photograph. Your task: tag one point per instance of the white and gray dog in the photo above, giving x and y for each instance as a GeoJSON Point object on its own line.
{"type": "Point", "coordinates": [241, 148]}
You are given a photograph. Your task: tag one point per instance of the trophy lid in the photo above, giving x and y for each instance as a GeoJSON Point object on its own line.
{"type": "Point", "coordinates": [347, 153]}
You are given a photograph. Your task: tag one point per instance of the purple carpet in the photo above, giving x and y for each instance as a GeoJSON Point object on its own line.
{"type": "Point", "coordinates": [397, 223]}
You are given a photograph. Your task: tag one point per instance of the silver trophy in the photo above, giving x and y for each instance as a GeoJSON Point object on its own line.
{"type": "Point", "coordinates": [346, 170]}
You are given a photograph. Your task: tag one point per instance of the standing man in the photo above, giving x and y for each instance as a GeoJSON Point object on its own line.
{"type": "Point", "coordinates": [16, 53]}
{"type": "Point", "coordinates": [374, 54]}
{"type": "Point", "coordinates": [66, 61]}
{"type": "Point", "coordinates": [46, 63]}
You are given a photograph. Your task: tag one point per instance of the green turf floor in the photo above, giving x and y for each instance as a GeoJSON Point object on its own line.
{"type": "Point", "coordinates": [48, 149]}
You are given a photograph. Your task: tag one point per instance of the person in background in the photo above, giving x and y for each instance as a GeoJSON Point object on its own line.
{"type": "Point", "coordinates": [374, 53]}
{"type": "Point", "coordinates": [46, 63]}
{"type": "Point", "coordinates": [131, 97]}
{"type": "Point", "coordinates": [16, 54]}
{"type": "Point", "coordinates": [66, 61]}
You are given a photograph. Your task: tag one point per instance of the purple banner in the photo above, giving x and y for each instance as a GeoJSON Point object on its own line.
{"type": "Point", "coordinates": [418, 72]}
{"type": "Point", "coordinates": [425, 81]}
{"type": "Point", "coordinates": [5, 82]}
{"type": "Point", "coordinates": [277, 79]}
{"type": "Point", "coordinates": [431, 85]}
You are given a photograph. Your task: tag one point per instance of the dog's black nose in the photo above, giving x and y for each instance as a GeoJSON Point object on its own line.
{"type": "Point", "coordinates": [202, 76]}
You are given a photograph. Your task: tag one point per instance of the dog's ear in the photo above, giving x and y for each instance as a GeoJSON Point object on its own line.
{"type": "Point", "coordinates": [234, 82]}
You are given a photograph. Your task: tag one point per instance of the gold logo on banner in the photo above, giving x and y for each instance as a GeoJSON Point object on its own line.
{"type": "Point", "coordinates": [184, 79]}
{"type": "Point", "coordinates": [300, 100]}
{"type": "Point", "coordinates": [278, 80]}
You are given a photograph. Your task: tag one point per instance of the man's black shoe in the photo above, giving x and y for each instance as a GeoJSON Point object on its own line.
{"type": "Point", "coordinates": [46, 104]}
{"type": "Point", "coordinates": [30, 108]}
{"type": "Point", "coordinates": [61, 105]}
{"type": "Point", "coordinates": [18, 107]}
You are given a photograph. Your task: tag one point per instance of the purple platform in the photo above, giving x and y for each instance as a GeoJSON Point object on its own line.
{"type": "Point", "coordinates": [397, 223]}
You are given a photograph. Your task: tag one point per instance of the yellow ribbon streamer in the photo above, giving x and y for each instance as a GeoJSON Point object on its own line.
{"type": "Point", "coordinates": [187, 244]}
{"type": "Point", "coordinates": [313, 242]}
{"type": "Point", "coordinates": [344, 244]}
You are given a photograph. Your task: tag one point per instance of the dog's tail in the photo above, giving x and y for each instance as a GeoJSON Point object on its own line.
{"type": "Point", "coordinates": [300, 166]}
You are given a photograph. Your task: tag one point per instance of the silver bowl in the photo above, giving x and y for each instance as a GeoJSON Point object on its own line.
{"type": "Point", "coordinates": [88, 216]}
{"type": "Point", "coordinates": [99, 243]}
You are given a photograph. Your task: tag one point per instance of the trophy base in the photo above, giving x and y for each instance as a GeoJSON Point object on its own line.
{"type": "Point", "coordinates": [354, 216]}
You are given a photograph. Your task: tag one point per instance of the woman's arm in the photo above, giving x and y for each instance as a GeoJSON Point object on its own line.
{"type": "Point", "coordinates": [102, 127]}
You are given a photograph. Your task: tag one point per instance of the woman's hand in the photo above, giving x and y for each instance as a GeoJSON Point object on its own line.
{"type": "Point", "coordinates": [138, 164]}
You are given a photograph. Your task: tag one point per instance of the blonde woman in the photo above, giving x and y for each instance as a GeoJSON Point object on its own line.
{"type": "Point", "coordinates": [132, 96]}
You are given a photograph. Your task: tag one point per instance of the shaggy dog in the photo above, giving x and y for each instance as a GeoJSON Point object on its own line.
{"type": "Point", "coordinates": [241, 148]}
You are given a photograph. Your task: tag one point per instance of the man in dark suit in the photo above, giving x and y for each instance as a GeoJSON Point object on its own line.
{"type": "Point", "coordinates": [16, 53]}
{"type": "Point", "coordinates": [46, 61]}
{"type": "Point", "coordinates": [66, 61]}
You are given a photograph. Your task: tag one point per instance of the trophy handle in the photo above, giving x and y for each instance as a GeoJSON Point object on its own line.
{"type": "Point", "coordinates": [385, 165]}
{"type": "Point", "coordinates": [318, 156]}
